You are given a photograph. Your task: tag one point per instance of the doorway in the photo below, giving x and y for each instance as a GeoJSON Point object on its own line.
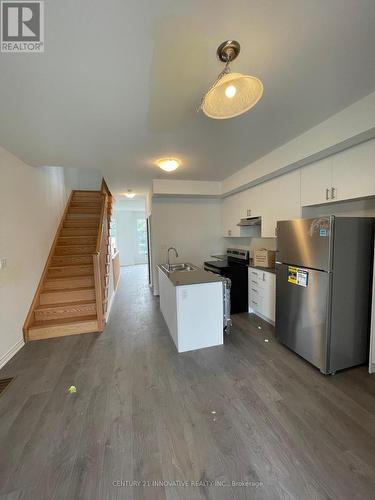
{"type": "Point", "coordinates": [130, 232]}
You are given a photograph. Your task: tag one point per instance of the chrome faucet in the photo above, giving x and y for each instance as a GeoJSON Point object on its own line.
{"type": "Point", "coordinates": [176, 253]}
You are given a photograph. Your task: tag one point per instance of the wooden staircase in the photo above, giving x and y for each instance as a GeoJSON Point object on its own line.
{"type": "Point", "coordinates": [72, 295]}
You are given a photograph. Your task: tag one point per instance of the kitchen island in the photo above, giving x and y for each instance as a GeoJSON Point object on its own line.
{"type": "Point", "coordinates": [191, 301]}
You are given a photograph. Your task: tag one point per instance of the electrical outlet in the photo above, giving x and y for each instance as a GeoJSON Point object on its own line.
{"type": "Point", "coordinates": [3, 263]}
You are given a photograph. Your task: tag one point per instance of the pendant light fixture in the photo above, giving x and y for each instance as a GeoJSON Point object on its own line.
{"type": "Point", "coordinates": [232, 93]}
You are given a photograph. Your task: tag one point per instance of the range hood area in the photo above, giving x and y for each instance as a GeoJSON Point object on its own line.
{"type": "Point", "coordinates": [250, 221]}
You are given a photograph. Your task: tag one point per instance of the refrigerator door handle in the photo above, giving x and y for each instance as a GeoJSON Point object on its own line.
{"type": "Point", "coordinates": [327, 193]}
{"type": "Point", "coordinates": [333, 194]}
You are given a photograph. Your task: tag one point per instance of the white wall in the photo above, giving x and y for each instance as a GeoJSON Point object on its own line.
{"type": "Point", "coordinates": [126, 236]}
{"type": "Point", "coordinates": [192, 225]}
{"type": "Point", "coordinates": [355, 121]}
{"type": "Point", "coordinates": [32, 200]}
{"type": "Point", "coordinates": [79, 178]}
{"type": "Point", "coordinates": [186, 188]}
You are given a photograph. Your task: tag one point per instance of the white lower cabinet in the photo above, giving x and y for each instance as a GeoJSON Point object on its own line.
{"type": "Point", "coordinates": [262, 294]}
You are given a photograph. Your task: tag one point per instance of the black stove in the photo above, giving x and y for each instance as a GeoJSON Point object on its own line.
{"type": "Point", "coordinates": [234, 267]}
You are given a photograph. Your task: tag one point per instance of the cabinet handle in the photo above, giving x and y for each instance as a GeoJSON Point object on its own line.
{"type": "Point", "coordinates": [255, 274]}
{"type": "Point", "coordinates": [253, 289]}
{"type": "Point", "coordinates": [229, 232]}
{"type": "Point", "coordinates": [255, 282]}
{"type": "Point", "coordinates": [327, 194]}
{"type": "Point", "coordinates": [333, 195]}
{"type": "Point", "coordinates": [253, 302]}
{"type": "Point", "coordinates": [264, 276]}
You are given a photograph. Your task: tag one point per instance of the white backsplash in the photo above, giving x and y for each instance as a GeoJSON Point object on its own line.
{"type": "Point", "coordinates": [251, 243]}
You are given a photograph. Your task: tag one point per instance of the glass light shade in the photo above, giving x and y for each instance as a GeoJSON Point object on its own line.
{"type": "Point", "coordinates": [130, 195]}
{"type": "Point", "coordinates": [219, 105]}
{"type": "Point", "coordinates": [168, 164]}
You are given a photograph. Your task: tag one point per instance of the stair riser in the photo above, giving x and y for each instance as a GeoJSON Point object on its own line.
{"type": "Point", "coordinates": [75, 250]}
{"type": "Point", "coordinates": [79, 231]}
{"type": "Point", "coordinates": [81, 240]}
{"type": "Point", "coordinates": [83, 216]}
{"type": "Point", "coordinates": [96, 205]}
{"type": "Point", "coordinates": [81, 224]}
{"type": "Point", "coordinates": [70, 282]}
{"type": "Point", "coordinates": [62, 330]}
{"type": "Point", "coordinates": [67, 260]}
{"type": "Point", "coordinates": [70, 271]}
{"type": "Point", "coordinates": [73, 311]}
{"type": "Point", "coordinates": [87, 199]}
{"type": "Point", "coordinates": [66, 296]}
{"type": "Point", "coordinates": [84, 210]}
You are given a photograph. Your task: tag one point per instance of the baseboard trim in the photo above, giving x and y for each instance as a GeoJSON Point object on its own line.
{"type": "Point", "coordinates": [264, 318]}
{"type": "Point", "coordinates": [372, 368]}
{"type": "Point", "coordinates": [12, 351]}
{"type": "Point", "coordinates": [110, 305]}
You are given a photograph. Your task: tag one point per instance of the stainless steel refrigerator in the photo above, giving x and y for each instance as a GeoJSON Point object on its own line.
{"type": "Point", "coordinates": [323, 289]}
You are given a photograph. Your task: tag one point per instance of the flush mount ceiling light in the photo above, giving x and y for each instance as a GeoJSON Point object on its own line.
{"type": "Point", "coordinates": [130, 194]}
{"type": "Point", "coordinates": [168, 164]}
{"type": "Point", "coordinates": [232, 93]}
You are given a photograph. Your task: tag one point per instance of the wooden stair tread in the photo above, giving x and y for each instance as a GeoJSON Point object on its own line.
{"type": "Point", "coordinates": [65, 304]}
{"type": "Point", "coordinates": [77, 236]}
{"type": "Point", "coordinates": [62, 290]}
{"type": "Point", "coordinates": [75, 266]}
{"type": "Point", "coordinates": [89, 275]}
{"type": "Point", "coordinates": [62, 321]}
{"type": "Point", "coordinates": [75, 255]}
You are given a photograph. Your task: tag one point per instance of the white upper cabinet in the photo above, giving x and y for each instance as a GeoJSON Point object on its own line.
{"type": "Point", "coordinates": [277, 199]}
{"type": "Point", "coordinates": [251, 202]}
{"type": "Point", "coordinates": [353, 172]}
{"type": "Point", "coordinates": [280, 200]}
{"type": "Point", "coordinates": [343, 176]}
{"type": "Point", "coordinates": [316, 182]}
{"type": "Point", "coordinates": [239, 206]}
{"type": "Point", "coordinates": [231, 215]}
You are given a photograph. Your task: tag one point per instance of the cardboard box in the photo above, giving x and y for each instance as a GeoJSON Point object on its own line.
{"type": "Point", "coordinates": [264, 258]}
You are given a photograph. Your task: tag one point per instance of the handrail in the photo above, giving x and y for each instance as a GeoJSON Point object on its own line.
{"type": "Point", "coordinates": [101, 223]}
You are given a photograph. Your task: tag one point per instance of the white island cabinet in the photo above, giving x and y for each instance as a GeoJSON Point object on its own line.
{"type": "Point", "coordinates": [192, 305]}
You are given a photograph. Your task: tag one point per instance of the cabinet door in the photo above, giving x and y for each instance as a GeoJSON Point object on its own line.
{"type": "Point", "coordinates": [225, 217]}
{"type": "Point", "coordinates": [231, 216]}
{"type": "Point", "coordinates": [250, 200]}
{"type": "Point", "coordinates": [280, 200]}
{"type": "Point", "coordinates": [269, 296]}
{"type": "Point", "coordinates": [353, 172]}
{"type": "Point", "coordinates": [316, 179]}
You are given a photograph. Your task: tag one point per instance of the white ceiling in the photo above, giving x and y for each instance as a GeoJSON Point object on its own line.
{"type": "Point", "coordinates": [119, 82]}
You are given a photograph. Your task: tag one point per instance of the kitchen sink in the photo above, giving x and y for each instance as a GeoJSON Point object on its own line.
{"type": "Point", "coordinates": [180, 267]}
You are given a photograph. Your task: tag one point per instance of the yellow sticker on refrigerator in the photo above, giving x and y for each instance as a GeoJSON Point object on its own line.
{"type": "Point", "coordinates": [298, 276]}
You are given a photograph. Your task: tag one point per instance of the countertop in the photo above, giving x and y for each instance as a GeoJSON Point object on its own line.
{"type": "Point", "coordinates": [180, 278]}
{"type": "Point", "coordinates": [265, 269]}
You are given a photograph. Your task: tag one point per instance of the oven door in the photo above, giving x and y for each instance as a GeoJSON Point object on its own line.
{"type": "Point", "coordinates": [212, 269]}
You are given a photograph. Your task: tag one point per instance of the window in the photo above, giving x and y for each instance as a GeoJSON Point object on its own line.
{"type": "Point", "coordinates": [141, 237]}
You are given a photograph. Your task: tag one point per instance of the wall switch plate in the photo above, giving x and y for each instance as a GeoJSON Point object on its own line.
{"type": "Point", "coordinates": [3, 263]}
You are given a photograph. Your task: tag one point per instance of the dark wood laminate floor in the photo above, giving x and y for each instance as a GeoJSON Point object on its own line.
{"type": "Point", "coordinates": [143, 412]}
